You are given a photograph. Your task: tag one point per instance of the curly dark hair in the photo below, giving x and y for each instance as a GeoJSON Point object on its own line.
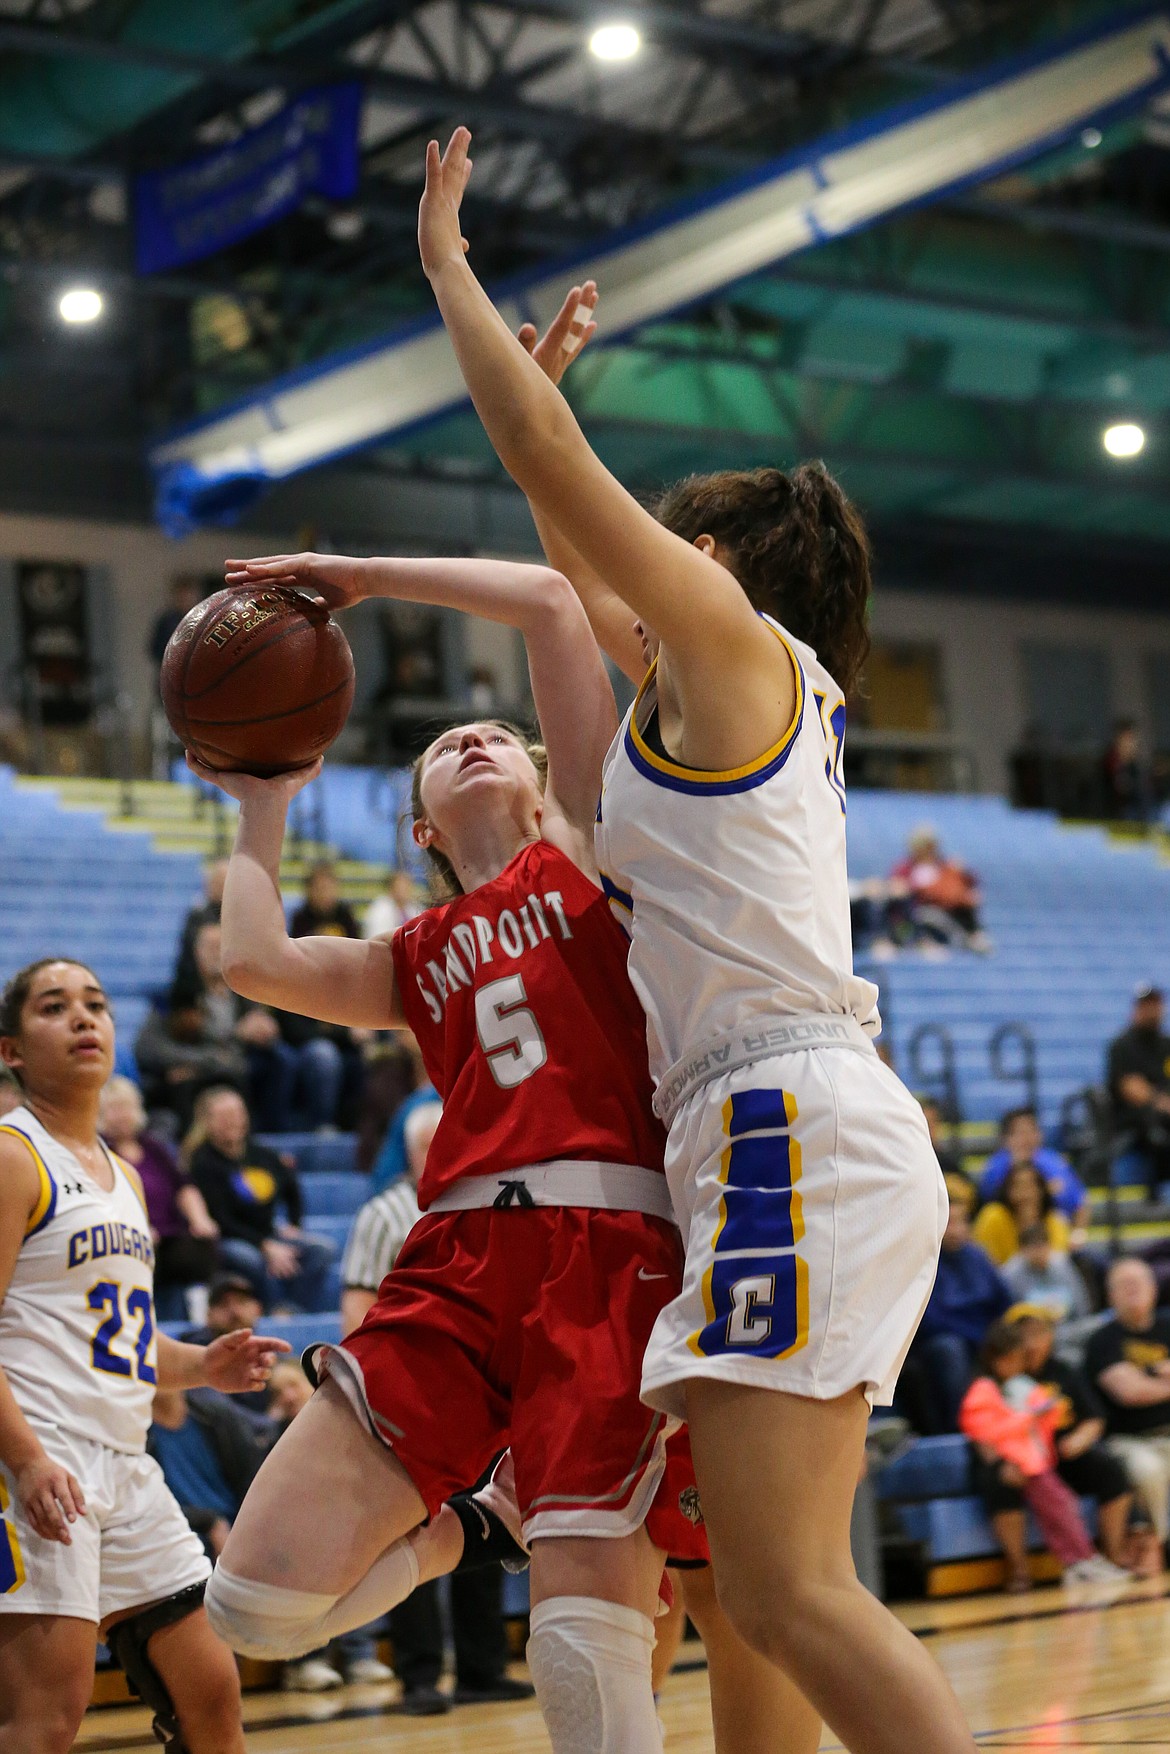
{"type": "Point", "coordinates": [797, 546]}
{"type": "Point", "coordinates": [441, 878]}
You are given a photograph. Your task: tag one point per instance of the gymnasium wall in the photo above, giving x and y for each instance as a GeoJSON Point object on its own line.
{"type": "Point", "coordinates": [981, 644]}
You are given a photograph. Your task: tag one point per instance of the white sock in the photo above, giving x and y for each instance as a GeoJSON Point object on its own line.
{"type": "Point", "coordinates": [590, 1664]}
{"type": "Point", "coordinates": [264, 1620]}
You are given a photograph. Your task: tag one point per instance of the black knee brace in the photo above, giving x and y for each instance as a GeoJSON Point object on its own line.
{"type": "Point", "coordinates": [128, 1641]}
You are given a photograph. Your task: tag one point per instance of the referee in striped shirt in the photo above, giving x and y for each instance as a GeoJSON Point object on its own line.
{"type": "Point", "coordinates": [383, 1224]}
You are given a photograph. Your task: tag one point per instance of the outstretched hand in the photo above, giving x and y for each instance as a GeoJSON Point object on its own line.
{"type": "Point", "coordinates": [338, 579]}
{"type": "Point", "coordinates": [439, 238]}
{"type": "Point", "coordinates": [249, 787]}
{"type": "Point", "coordinates": [240, 1362]}
{"type": "Point", "coordinates": [567, 335]}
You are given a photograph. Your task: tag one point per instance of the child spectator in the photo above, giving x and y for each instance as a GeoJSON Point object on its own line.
{"type": "Point", "coordinates": [1040, 1276]}
{"type": "Point", "coordinates": [969, 1294]}
{"type": "Point", "coordinates": [944, 896]}
{"type": "Point", "coordinates": [1025, 1201]}
{"type": "Point", "coordinates": [1010, 1420]}
{"type": "Point", "coordinates": [1021, 1141]}
{"type": "Point", "coordinates": [243, 1183]}
{"type": "Point", "coordinates": [183, 1229]}
{"type": "Point", "coordinates": [1082, 1459]}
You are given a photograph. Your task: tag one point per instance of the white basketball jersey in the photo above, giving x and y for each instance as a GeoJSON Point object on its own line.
{"type": "Point", "coordinates": [77, 1340]}
{"type": "Point", "coordinates": [733, 885]}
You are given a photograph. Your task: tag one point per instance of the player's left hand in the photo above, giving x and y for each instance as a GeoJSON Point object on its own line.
{"type": "Point", "coordinates": [249, 787]}
{"type": "Point", "coordinates": [439, 238]}
{"type": "Point", "coordinates": [566, 336]}
{"type": "Point", "coordinates": [241, 1361]}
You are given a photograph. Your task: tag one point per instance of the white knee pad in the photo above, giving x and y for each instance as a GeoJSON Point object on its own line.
{"type": "Point", "coordinates": [261, 1619]}
{"type": "Point", "coordinates": [590, 1664]}
{"type": "Point", "coordinates": [266, 1621]}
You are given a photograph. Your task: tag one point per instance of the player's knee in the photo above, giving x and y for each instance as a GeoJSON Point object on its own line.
{"type": "Point", "coordinates": [777, 1609]}
{"type": "Point", "coordinates": [263, 1620]}
{"type": "Point", "coordinates": [590, 1663]}
{"type": "Point", "coordinates": [46, 1724]}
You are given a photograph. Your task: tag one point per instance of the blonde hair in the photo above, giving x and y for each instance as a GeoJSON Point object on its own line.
{"type": "Point", "coordinates": [196, 1133]}
{"type": "Point", "coordinates": [119, 1086]}
{"type": "Point", "coordinates": [441, 879]}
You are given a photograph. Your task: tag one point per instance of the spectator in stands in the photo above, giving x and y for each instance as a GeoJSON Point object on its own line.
{"type": "Point", "coordinates": [1025, 1200]}
{"type": "Point", "coordinates": [186, 978]}
{"type": "Point", "coordinates": [323, 914]}
{"type": "Point", "coordinates": [1126, 780]}
{"type": "Point", "coordinates": [184, 592]}
{"type": "Point", "coordinates": [353, 1656]}
{"type": "Point", "coordinates": [393, 1071]}
{"type": "Point", "coordinates": [11, 1095]}
{"type": "Point", "coordinates": [400, 901]}
{"type": "Point", "coordinates": [330, 1056]}
{"type": "Point", "coordinates": [1011, 1422]}
{"type": "Point", "coordinates": [1128, 1362]}
{"type": "Point", "coordinates": [385, 1221]}
{"type": "Point", "coordinates": [233, 1302]}
{"type": "Point", "coordinates": [950, 1158]}
{"type": "Point", "coordinates": [1139, 1082]}
{"type": "Point", "coordinates": [209, 1453]}
{"type": "Point", "coordinates": [1037, 1274]}
{"type": "Point", "coordinates": [969, 1294]}
{"type": "Point", "coordinates": [1021, 1141]}
{"type": "Point", "coordinates": [243, 1183]}
{"type": "Point", "coordinates": [944, 896]}
{"type": "Point", "coordinates": [1082, 1459]}
{"type": "Point", "coordinates": [184, 1231]}
{"type": "Point", "coordinates": [391, 1164]}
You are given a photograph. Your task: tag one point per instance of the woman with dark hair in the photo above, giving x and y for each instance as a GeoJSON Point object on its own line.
{"type": "Point", "coordinates": [801, 1170]}
{"type": "Point", "coordinates": [91, 1540]}
{"type": "Point", "coordinates": [1024, 1200]}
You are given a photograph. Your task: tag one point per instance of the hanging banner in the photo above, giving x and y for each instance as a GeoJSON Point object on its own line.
{"type": "Point", "coordinates": [193, 210]}
{"type": "Point", "coordinates": [54, 639]}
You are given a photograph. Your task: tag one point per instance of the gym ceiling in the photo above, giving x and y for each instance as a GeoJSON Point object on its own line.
{"type": "Point", "coordinates": [956, 364]}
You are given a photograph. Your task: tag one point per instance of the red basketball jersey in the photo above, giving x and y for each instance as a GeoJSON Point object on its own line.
{"type": "Point", "coordinates": [528, 1025]}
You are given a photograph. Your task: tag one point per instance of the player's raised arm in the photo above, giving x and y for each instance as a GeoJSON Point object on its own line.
{"type": "Point", "coordinates": [339, 980]}
{"type": "Point", "coordinates": [573, 695]}
{"type": "Point", "coordinates": [51, 1497]}
{"type": "Point", "coordinates": [734, 681]}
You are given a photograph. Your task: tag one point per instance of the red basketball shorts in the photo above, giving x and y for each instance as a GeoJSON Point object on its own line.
{"type": "Point", "coordinates": [525, 1327]}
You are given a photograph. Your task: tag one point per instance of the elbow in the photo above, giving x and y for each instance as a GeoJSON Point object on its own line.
{"type": "Point", "coordinates": [242, 975]}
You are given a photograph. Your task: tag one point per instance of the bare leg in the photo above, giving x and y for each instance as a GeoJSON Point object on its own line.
{"type": "Point", "coordinates": [439, 1546]}
{"type": "Point", "coordinates": [776, 1475]}
{"type": "Point", "coordinates": [755, 1708]}
{"type": "Point", "coordinates": [328, 1501]}
{"type": "Point", "coordinates": [1011, 1531]}
{"type": "Point", "coordinates": [46, 1680]}
{"type": "Point", "coordinates": [1113, 1528]}
{"type": "Point", "coordinates": [626, 1571]}
{"type": "Point", "coordinates": [200, 1674]}
{"type": "Point", "coordinates": [668, 1631]}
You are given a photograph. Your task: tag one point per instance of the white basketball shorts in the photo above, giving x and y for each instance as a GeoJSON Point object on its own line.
{"type": "Point", "coordinates": [133, 1545]}
{"type": "Point", "coordinates": [812, 1208]}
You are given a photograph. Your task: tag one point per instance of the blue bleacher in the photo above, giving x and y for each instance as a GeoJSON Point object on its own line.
{"type": "Point", "coordinates": [322, 1155]}
{"type": "Point", "coordinates": [299, 1330]}
{"type": "Point", "coordinates": [930, 1489]}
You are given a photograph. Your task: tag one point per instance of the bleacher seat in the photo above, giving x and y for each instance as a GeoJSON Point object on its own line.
{"type": "Point", "coordinates": [321, 1154]}
{"type": "Point", "coordinates": [332, 1226]}
{"type": "Point", "coordinates": [299, 1330]}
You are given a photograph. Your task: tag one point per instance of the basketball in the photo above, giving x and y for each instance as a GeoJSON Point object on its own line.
{"type": "Point", "coordinates": [257, 681]}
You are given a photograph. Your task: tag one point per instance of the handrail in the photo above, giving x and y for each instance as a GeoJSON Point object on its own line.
{"type": "Point", "coordinates": [1027, 1072]}
{"type": "Point", "coordinates": [945, 1074]}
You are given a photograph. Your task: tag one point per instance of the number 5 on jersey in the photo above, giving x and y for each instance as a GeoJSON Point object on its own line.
{"type": "Point", "coordinates": [508, 1032]}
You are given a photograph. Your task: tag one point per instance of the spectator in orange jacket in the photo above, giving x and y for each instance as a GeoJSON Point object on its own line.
{"type": "Point", "coordinates": [944, 896]}
{"type": "Point", "coordinates": [1012, 1423]}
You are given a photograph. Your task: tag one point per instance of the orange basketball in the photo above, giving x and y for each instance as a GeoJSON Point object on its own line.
{"type": "Point", "coordinates": [257, 681]}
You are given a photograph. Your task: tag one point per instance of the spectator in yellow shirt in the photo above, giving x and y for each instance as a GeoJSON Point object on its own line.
{"type": "Point", "coordinates": [1025, 1199]}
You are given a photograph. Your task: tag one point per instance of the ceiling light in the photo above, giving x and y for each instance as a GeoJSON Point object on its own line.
{"type": "Point", "coordinates": [1124, 440]}
{"type": "Point", "coordinates": [1091, 138]}
{"type": "Point", "coordinates": [81, 304]}
{"type": "Point", "coordinates": [615, 42]}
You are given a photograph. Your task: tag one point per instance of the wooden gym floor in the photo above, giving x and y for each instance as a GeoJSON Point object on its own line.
{"type": "Point", "coordinates": [1084, 1669]}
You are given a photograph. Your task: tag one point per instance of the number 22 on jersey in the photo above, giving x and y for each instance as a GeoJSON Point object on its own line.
{"type": "Point", "coordinates": [105, 1298]}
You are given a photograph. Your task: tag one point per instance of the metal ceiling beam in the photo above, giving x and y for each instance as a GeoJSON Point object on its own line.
{"type": "Point", "coordinates": [1100, 227]}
